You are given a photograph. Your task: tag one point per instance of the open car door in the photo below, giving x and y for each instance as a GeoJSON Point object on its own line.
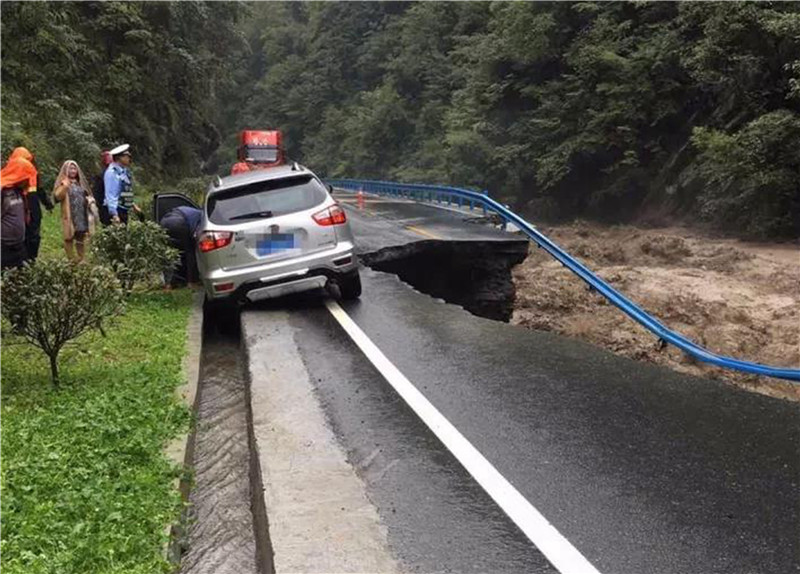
{"type": "Point", "coordinates": [164, 202]}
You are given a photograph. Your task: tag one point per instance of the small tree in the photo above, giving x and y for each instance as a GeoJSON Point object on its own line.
{"type": "Point", "coordinates": [135, 252]}
{"type": "Point", "coordinates": [51, 303]}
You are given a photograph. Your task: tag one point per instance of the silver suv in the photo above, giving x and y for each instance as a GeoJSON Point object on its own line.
{"type": "Point", "coordinates": [269, 233]}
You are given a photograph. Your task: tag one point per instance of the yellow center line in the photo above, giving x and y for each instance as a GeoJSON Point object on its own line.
{"type": "Point", "coordinates": [422, 232]}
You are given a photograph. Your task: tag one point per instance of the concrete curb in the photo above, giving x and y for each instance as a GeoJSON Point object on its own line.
{"type": "Point", "coordinates": [265, 553]}
{"type": "Point", "coordinates": [320, 518]}
{"type": "Point", "coordinates": [180, 450]}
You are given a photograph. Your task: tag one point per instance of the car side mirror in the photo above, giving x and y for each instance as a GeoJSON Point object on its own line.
{"type": "Point", "coordinates": [330, 187]}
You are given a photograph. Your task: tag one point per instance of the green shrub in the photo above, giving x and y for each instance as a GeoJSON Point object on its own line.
{"type": "Point", "coordinates": [194, 188]}
{"type": "Point", "coordinates": [751, 176]}
{"type": "Point", "coordinates": [50, 304]}
{"type": "Point", "coordinates": [135, 252]}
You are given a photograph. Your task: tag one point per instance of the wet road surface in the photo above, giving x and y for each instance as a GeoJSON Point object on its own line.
{"type": "Point", "coordinates": [641, 468]}
{"type": "Point", "coordinates": [386, 223]}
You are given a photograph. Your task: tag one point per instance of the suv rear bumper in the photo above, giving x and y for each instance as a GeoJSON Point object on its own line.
{"type": "Point", "coordinates": [282, 277]}
{"type": "Point", "coordinates": [281, 289]}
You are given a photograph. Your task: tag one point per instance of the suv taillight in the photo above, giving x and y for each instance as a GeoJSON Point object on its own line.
{"type": "Point", "coordinates": [211, 240]}
{"type": "Point", "coordinates": [333, 215]}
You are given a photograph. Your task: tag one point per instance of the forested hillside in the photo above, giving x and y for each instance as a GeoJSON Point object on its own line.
{"type": "Point", "coordinates": [78, 77]}
{"type": "Point", "coordinates": [616, 111]}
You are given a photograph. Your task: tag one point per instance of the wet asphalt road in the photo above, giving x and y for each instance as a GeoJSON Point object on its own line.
{"type": "Point", "coordinates": [642, 469]}
{"type": "Point", "coordinates": [387, 223]}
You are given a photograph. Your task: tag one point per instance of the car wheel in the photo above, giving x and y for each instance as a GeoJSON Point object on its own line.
{"type": "Point", "coordinates": [350, 286]}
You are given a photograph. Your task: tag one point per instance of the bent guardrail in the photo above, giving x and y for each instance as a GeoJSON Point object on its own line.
{"type": "Point", "coordinates": [463, 197]}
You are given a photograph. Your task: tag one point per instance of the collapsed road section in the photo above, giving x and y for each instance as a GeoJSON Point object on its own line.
{"type": "Point", "coordinates": [475, 275]}
{"type": "Point", "coordinates": [457, 257]}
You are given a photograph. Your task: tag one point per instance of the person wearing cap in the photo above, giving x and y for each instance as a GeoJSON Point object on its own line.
{"type": "Point", "coordinates": [118, 185]}
{"type": "Point", "coordinates": [99, 188]}
{"type": "Point", "coordinates": [18, 178]}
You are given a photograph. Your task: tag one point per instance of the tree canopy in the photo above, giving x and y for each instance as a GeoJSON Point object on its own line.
{"type": "Point", "coordinates": [609, 110]}
{"type": "Point", "coordinates": [79, 77]}
{"type": "Point", "coordinates": [613, 110]}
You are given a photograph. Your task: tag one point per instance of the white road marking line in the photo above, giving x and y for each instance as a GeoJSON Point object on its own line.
{"type": "Point", "coordinates": [564, 556]}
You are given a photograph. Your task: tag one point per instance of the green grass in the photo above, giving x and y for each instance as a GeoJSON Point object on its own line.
{"type": "Point", "coordinates": [52, 241]}
{"type": "Point", "coordinates": [86, 487]}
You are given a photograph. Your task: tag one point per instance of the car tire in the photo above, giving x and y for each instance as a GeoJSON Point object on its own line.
{"type": "Point", "coordinates": [350, 286]}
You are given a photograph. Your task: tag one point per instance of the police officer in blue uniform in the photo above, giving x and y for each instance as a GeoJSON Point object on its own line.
{"type": "Point", "coordinates": [119, 185]}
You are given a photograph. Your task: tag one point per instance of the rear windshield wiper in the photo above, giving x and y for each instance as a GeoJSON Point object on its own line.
{"type": "Point", "coordinates": [253, 215]}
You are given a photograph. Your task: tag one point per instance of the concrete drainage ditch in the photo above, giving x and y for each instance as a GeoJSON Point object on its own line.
{"type": "Point", "coordinates": [225, 531]}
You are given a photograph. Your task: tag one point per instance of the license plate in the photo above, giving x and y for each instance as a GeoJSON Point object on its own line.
{"type": "Point", "coordinates": [274, 243]}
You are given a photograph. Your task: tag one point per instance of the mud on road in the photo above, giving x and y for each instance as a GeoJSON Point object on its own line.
{"type": "Point", "coordinates": [735, 298]}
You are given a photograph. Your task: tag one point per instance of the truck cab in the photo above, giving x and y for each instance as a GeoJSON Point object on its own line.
{"type": "Point", "coordinates": [259, 150]}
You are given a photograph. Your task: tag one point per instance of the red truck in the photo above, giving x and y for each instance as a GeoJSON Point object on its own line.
{"type": "Point", "coordinates": [259, 150]}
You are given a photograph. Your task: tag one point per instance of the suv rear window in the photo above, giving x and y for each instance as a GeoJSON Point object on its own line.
{"type": "Point", "coordinates": [265, 199]}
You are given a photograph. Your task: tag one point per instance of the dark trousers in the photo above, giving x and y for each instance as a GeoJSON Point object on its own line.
{"type": "Point", "coordinates": [105, 217]}
{"type": "Point", "coordinates": [181, 238]}
{"type": "Point", "coordinates": [33, 231]}
{"type": "Point", "coordinates": [13, 255]}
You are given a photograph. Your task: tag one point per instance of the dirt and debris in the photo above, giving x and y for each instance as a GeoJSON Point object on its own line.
{"type": "Point", "coordinates": [735, 298]}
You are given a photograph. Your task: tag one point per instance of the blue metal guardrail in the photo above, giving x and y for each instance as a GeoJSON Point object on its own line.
{"type": "Point", "coordinates": [463, 198]}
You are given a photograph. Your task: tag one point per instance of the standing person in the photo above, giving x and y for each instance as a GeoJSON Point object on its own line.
{"type": "Point", "coordinates": [119, 185]}
{"type": "Point", "coordinates": [78, 209]}
{"type": "Point", "coordinates": [99, 188]}
{"type": "Point", "coordinates": [181, 223]}
{"type": "Point", "coordinates": [13, 252]}
{"type": "Point", "coordinates": [18, 178]}
{"type": "Point", "coordinates": [35, 200]}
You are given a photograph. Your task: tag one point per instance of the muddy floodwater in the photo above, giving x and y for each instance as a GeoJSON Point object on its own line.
{"type": "Point", "coordinates": [735, 298]}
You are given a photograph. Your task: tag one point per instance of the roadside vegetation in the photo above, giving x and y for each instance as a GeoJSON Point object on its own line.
{"type": "Point", "coordinates": [86, 487]}
{"type": "Point", "coordinates": [51, 304]}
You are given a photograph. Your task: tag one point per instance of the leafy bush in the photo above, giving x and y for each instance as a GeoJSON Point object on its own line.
{"type": "Point", "coordinates": [194, 188]}
{"type": "Point", "coordinates": [135, 252]}
{"type": "Point", "coordinates": [751, 175]}
{"type": "Point", "coordinates": [51, 304]}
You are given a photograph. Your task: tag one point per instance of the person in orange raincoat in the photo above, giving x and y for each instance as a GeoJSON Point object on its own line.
{"type": "Point", "coordinates": [240, 167]}
{"type": "Point", "coordinates": [19, 171]}
{"type": "Point", "coordinates": [17, 179]}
